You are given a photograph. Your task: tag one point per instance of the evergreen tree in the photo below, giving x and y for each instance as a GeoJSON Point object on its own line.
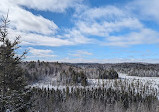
{"type": "Point", "coordinates": [13, 93]}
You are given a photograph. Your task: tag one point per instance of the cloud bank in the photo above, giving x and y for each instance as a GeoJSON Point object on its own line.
{"type": "Point", "coordinates": [108, 25]}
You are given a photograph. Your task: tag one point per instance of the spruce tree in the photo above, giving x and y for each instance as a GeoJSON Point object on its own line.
{"type": "Point", "coordinates": [14, 95]}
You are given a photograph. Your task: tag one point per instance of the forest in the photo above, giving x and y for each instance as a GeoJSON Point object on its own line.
{"type": "Point", "coordinates": [78, 94]}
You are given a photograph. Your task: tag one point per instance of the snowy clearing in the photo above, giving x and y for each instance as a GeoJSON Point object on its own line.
{"type": "Point", "coordinates": [124, 79]}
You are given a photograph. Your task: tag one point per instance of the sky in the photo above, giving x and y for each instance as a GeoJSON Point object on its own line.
{"type": "Point", "coordinates": [81, 31]}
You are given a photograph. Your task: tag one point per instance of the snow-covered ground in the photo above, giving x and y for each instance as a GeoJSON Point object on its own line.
{"type": "Point", "coordinates": [150, 81]}
{"type": "Point", "coordinates": [125, 76]}
{"type": "Point", "coordinates": [124, 79]}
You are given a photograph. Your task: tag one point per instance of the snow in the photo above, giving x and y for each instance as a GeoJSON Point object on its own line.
{"type": "Point", "coordinates": [124, 79]}
{"type": "Point", "coordinates": [151, 81]}
{"type": "Point", "coordinates": [125, 76]}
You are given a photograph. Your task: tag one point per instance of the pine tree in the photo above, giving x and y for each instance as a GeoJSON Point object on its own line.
{"type": "Point", "coordinates": [13, 93]}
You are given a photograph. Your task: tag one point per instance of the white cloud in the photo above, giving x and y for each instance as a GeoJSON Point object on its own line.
{"type": "Point", "coordinates": [83, 52]}
{"type": "Point", "coordinates": [49, 5]}
{"type": "Point", "coordinates": [105, 28]}
{"type": "Point", "coordinates": [42, 40]}
{"type": "Point", "coordinates": [35, 29]}
{"type": "Point", "coordinates": [40, 53]}
{"type": "Point", "coordinates": [25, 21]}
{"type": "Point", "coordinates": [147, 9]}
{"type": "Point", "coordinates": [113, 60]}
{"type": "Point", "coordinates": [145, 36]}
{"type": "Point", "coordinates": [105, 20]}
{"type": "Point", "coordinates": [80, 53]}
{"type": "Point", "coordinates": [89, 22]}
{"type": "Point", "coordinates": [109, 20]}
{"type": "Point", "coordinates": [106, 13]}
{"type": "Point", "coordinates": [76, 36]}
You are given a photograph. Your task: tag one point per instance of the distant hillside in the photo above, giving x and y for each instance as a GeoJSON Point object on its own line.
{"type": "Point", "coordinates": [133, 69]}
{"type": "Point", "coordinates": [38, 70]}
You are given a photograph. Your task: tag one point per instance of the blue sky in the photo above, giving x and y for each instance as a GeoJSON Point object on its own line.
{"type": "Point", "coordinates": [102, 31]}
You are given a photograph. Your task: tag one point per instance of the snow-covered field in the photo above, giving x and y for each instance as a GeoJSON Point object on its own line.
{"type": "Point", "coordinates": [148, 81]}
{"type": "Point", "coordinates": [152, 82]}
{"type": "Point", "coordinates": [124, 79]}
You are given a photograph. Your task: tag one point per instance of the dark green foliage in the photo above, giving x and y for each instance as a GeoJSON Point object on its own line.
{"type": "Point", "coordinates": [83, 79]}
{"type": "Point", "coordinates": [109, 74]}
{"type": "Point", "coordinates": [73, 77]}
{"type": "Point", "coordinates": [84, 99]}
{"type": "Point", "coordinates": [13, 95]}
{"type": "Point", "coordinates": [133, 69]}
{"type": "Point", "coordinates": [79, 77]}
